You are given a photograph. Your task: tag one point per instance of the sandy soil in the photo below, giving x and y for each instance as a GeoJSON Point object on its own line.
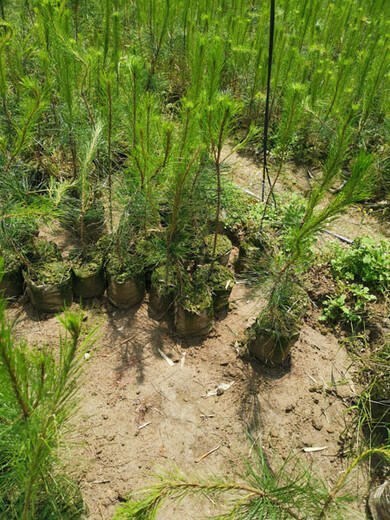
{"type": "Point", "coordinates": [139, 414]}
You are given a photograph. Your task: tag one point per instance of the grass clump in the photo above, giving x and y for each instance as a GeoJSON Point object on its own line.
{"type": "Point", "coordinates": [86, 263]}
{"type": "Point", "coordinates": [124, 267]}
{"type": "Point", "coordinates": [50, 273]}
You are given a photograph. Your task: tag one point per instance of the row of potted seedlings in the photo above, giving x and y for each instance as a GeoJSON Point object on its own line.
{"type": "Point", "coordinates": [193, 294]}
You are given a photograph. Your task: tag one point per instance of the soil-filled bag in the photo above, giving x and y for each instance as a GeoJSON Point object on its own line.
{"type": "Point", "coordinates": [126, 282]}
{"type": "Point", "coordinates": [270, 348]}
{"type": "Point", "coordinates": [127, 293]}
{"type": "Point", "coordinates": [248, 256]}
{"type": "Point", "coordinates": [50, 286]}
{"type": "Point", "coordinates": [379, 502]}
{"type": "Point", "coordinates": [194, 311]}
{"type": "Point", "coordinates": [89, 282]}
{"type": "Point", "coordinates": [222, 251]}
{"type": "Point", "coordinates": [11, 285]}
{"type": "Point", "coordinates": [162, 290]}
{"type": "Point", "coordinates": [276, 330]}
{"type": "Point", "coordinates": [221, 282]}
{"type": "Point", "coordinates": [278, 326]}
{"type": "Point", "coordinates": [88, 274]}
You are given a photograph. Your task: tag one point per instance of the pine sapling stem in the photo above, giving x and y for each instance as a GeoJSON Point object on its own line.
{"type": "Point", "coordinates": [368, 453]}
{"type": "Point", "coordinates": [109, 134]}
{"type": "Point", "coordinates": [14, 380]}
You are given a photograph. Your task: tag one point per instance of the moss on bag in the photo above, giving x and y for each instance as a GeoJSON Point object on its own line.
{"type": "Point", "coordinates": [88, 273]}
{"type": "Point", "coordinates": [194, 310]}
{"type": "Point", "coordinates": [223, 248]}
{"type": "Point", "coordinates": [220, 281]}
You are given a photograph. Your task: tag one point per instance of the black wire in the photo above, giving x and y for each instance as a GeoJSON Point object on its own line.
{"type": "Point", "coordinates": [266, 118]}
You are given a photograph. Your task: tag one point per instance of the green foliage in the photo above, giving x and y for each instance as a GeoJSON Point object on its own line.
{"type": "Point", "coordinates": [37, 398]}
{"type": "Point", "coordinates": [289, 491]}
{"type": "Point", "coordinates": [281, 318]}
{"type": "Point", "coordinates": [130, 105]}
{"type": "Point", "coordinates": [367, 261]}
{"type": "Point", "coordinates": [362, 272]}
{"type": "Point", "coordinates": [350, 306]}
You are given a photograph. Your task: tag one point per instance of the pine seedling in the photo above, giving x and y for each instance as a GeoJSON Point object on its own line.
{"type": "Point", "coordinates": [107, 29]}
{"type": "Point", "coordinates": [37, 398]}
{"type": "Point", "coordinates": [288, 125]}
{"type": "Point", "coordinates": [185, 156]}
{"type": "Point", "coordinates": [219, 118]}
{"type": "Point", "coordinates": [86, 187]}
{"type": "Point", "coordinates": [281, 317]}
{"type": "Point", "coordinates": [290, 492]}
{"type": "Point", "coordinates": [217, 126]}
{"type": "Point", "coordinates": [32, 109]}
{"type": "Point", "coordinates": [9, 33]}
{"type": "Point", "coordinates": [160, 12]}
{"type": "Point", "coordinates": [68, 65]}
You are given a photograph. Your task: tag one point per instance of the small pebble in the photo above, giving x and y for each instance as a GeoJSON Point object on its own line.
{"type": "Point", "coordinates": [317, 424]}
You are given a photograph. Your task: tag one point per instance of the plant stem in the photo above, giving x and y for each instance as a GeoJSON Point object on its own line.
{"type": "Point", "coordinates": [109, 131]}
{"type": "Point", "coordinates": [229, 486]}
{"type": "Point", "coordinates": [368, 453]}
{"type": "Point", "coordinates": [14, 380]}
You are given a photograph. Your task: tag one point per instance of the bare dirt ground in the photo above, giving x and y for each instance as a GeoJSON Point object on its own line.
{"type": "Point", "coordinates": [138, 413]}
{"type": "Point", "coordinates": [247, 174]}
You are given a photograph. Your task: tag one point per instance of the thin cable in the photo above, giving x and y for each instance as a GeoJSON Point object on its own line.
{"type": "Point", "coordinates": [266, 118]}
